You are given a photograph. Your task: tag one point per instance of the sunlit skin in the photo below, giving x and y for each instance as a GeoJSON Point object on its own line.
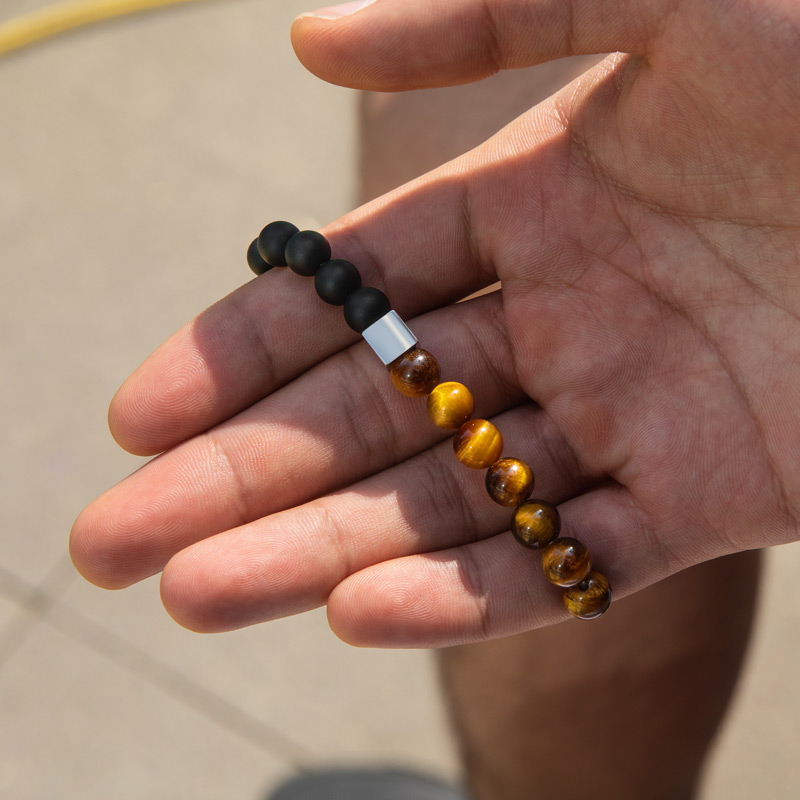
{"type": "Point", "coordinates": [645, 225]}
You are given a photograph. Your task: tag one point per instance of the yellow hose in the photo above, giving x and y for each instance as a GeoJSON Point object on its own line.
{"type": "Point", "coordinates": [54, 20]}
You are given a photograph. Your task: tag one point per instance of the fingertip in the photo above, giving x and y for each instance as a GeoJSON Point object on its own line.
{"type": "Point", "coordinates": [95, 554]}
{"type": "Point", "coordinates": [177, 598]}
{"type": "Point", "coordinates": [341, 619]}
{"type": "Point", "coordinates": [213, 586]}
{"type": "Point", "coordinates": [174, 393]}
{"type": "Point", "coordinates": [131, 437]}
{"type": "Point", "coordinates": [375, 609]}
{"type": "Point", "coordinates": [384, 47]}
{"type": "Point", "coordinates": [325, 52]}
{"type": "Point", "coordinates": [196, 593]}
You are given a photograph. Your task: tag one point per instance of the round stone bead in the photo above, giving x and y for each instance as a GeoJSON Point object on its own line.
{"type": "Point", "coordinates": [590, 598]}
{"type": "Point", "coordinates": [509, 481]}
{"type": "Point", "coordinates": [536, 523]}
{"type": "Point", "coordinates": [305, 251]}
{"type": "Point", "coordinates": [364, 307]}
{"type": "Point", "coordinates": [415, 373]}
{"type": "Point", "coordinates": [450, 404]}
{"type": "Point", "coordinates": [478, 444]}
{"type": "Point", "coordinates": [336, 280]}
{"type": "Point", "coordinates": [254, 259]}
{"type": "Point", "coordinates": [272, 242]}
{"type": "Point", "coordinates": [566, 562]}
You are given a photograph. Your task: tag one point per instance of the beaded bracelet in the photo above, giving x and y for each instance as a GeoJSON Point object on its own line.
{"type": "Point", "coordinates": [415, 372]}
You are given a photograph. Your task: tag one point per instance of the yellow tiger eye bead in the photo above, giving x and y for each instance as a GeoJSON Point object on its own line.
{"type": "Point", "coordinates": [536, 523]}
{"type": "Point", "coordinates": [590, 598]}
{"type": "Point", "coordinates": [478, 444]}
{"type": "Point", "coordinates": [415, 373]}
{"type": "Point", "coordinates": [509, 481]}
{"type": "Point", "coordinates": [566, 562]}
{"type": "Point", "coordinates": [450, 404]}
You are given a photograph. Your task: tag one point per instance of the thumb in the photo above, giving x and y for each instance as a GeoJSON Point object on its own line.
{"type": "Point", "coordinates": [387, 45]}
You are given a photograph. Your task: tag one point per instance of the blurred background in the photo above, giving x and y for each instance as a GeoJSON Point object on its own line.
{"type": "Point", "coordinates": [137, 160]}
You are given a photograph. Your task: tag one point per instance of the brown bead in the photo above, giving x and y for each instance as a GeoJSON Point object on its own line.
{"type": "Point", "coordinates": [590, 598]}
{"type": "Point", "coordinates": [509, 481]}
{"type": "Point", "coordinates": [450, 404]}
{"type": "Point", "coordinates": [478, 444]}
{"type": "Point", "coordinates": [566, 562]}
{"type": "Point", "coordinates": [536, 523]}
{"type": "Point", "coordinates": [415, 373]}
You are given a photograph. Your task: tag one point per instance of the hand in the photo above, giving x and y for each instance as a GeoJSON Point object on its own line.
{"type": "Point", "coordinates": [645, 225]}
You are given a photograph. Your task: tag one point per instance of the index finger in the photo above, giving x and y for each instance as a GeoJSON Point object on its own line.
{"type": "Point", "coordinates": [413, 244]}
{"type": "Point", "coordinates": [426, 245]}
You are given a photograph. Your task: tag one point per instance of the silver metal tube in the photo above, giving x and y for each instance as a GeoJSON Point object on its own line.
{"type": "Point", "coordinates": [389, 337]}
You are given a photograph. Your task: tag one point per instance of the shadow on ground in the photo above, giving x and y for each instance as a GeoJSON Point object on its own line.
{"type": "Point", "coordinates": [354, 784]}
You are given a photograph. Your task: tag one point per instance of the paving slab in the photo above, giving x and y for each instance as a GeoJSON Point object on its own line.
{"type": "Point", "coordinates": [78, 725]}
{"type": "Point", "coordinates": [337, 704]}
{"type": "Point", "coordinates": [139, 159]}
{"type": "Point", "coordinates": [756, 755]}
{"type": "Point", "coordinates": [9, 610]}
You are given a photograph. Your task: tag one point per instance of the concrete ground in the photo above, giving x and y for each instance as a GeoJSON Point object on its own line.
{"type": "Point", "coordinates": [137, 159]}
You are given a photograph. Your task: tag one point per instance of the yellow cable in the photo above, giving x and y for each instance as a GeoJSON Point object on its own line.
{"type": "Point", "coordinates": [67, 16]}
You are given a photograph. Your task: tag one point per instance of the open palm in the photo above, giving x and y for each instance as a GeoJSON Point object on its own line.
{"type": "Point", "coordinates": [642, 354]}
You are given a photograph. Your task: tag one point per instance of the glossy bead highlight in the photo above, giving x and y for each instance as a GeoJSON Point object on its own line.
{"type": "Point", "coordinates": [509, 481]}
{"type": "Point", "coordinates": [566, 562]}
{"type": "Point", "coordinates": [478, 444]}
{"type": "Point", "coordinates": [415, 373]}
{"type": "Point", "coordinates": [536, 523]}
{"type": "Point", "coordinates": [450, 405]}
{"type": "Point", "coordinates": [590, 598]}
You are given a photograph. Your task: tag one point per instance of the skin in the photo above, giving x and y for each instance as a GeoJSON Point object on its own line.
{"type": "Point", "coordinates": [644, 225]}
{"type": "Point", "coordinates": [619, 692]}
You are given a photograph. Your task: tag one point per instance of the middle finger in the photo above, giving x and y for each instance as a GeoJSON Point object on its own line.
{"type": "Point", "coordinates": [331, 427]}
{"type": "Point", "coordinates": [290, 562]}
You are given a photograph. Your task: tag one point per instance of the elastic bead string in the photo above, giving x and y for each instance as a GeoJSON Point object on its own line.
{"type": "Point", "coordinates": [415, 372]}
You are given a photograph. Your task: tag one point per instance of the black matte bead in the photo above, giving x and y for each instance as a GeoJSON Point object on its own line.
{"type": "Point", "coordinates": [336, 280]}
{"type": "Point", "coordinates": [305, 251]}
{"type": "Point", "coordinates": [257, 264]}
{"type": "Point", "coordinates": [272, 242]}
{"type": "Point", "coordinates": [364, 307]}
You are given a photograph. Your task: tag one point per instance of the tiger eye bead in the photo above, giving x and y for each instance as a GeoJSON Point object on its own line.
{"type": "Point", "coordinates": [509, 481]}
{"type": "Point", "coordinates": [415, 373]}
{"type": "Point", "coordinates": [566, 562]}
{"type": "Point", "coordinates": [590, 598]}
{"type": "Point", "coordinates": [536, 523]}
{"type": "Point", "coordinates": [478, 444]}
{"type": "Point", "coordinates": [450, 404]}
